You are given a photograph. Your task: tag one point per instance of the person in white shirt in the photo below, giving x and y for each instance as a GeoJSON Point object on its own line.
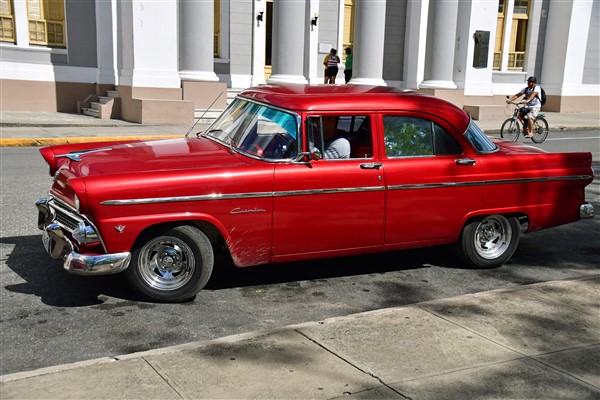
{"type": "Point", "coordinates": [532, 96]}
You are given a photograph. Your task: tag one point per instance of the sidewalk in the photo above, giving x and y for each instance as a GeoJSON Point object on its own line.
{"type": "Point", "coordinates": [41, 129]}
{"type": "Point", "coordinates": [538, 341]}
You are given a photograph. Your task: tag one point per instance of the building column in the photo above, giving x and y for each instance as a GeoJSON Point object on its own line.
{"type": "Point", "coordinates": [415, 43]}
{"type": "Point", "coordinates": [106, 32]}
{"type": "Point", "coordinates": [441, 42]}
{"type": "Point", "coordinates": [289, 25]}
{"type": "Point", "coordinates": [196, 40]}
{"type": "Point", "coordinates": [148, 57]}
{"type": "Point", "coordinates": [566, 41]}
{"type": "Point", "coordinates": [369, 36]}
{"type": "Point", "coordinates": [259, 30]}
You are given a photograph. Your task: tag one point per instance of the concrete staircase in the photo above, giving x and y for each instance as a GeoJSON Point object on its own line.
{"type": "Point", "coordinates": [104, 107]}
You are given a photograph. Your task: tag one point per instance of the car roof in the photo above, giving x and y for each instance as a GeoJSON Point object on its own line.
{"type": "Point", "coordinates": [322, 97]}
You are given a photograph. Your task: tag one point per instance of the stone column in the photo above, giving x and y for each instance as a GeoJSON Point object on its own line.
{"type": "Point", "coordinates": [196, 39]}
{"type": "Point", "coordinates": [289, 25]}
{"type": "Point", "coordinates": [369, 35]}
{"type": "Point", "coordinates": [441, 42]}
{"type": "Point", "coordinates": [566, 40]}
{"type": "Point", "coordinates": [106, 32]}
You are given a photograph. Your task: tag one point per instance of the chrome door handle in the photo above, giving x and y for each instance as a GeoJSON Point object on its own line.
{"type": "Point", "coordinates": [465, 161]}
{"type": "Point", "coordinates": [371, 166]}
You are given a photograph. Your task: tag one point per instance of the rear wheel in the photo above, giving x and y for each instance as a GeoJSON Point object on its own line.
{"type": "Point", "coordinates": [172, 266]}
{"type": "Point", "coordinates": [490, 241]}
{"type": "Point", "coordinates": [541, 130]}
{"type": "Point", "coordinates": [510, 129]}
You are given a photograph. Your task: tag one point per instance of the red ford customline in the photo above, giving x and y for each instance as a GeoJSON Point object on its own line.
{"type": "Point", "coordinates": [294, 172]}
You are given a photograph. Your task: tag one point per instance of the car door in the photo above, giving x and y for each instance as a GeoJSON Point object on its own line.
{"type": "Point", "coordinates": [432, 178]}
{"type": "Point", "coordinates": [330, 205]}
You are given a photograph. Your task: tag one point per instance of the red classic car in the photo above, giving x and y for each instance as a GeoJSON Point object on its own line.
{"type": "Point", "coordinates": [294, 172]}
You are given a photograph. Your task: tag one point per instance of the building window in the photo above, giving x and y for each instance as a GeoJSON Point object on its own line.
{"type": "Point", "coordinates": [7, 21]}
{"type": "Point", "coordinates": [46, 22]}
{"type": "Point", "coordinates": [516, 30]}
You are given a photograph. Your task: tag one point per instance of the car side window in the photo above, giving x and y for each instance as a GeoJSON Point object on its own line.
{"type": "Point", "coordinates": [416, 137]}
{"type": "Point", "coordinates": [340, 136]}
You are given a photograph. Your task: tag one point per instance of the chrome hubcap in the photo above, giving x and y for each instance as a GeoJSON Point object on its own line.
{"type": "Point", "coordinates": [493, 237]}
{"type": "Point", "coordinates": [167, 263]}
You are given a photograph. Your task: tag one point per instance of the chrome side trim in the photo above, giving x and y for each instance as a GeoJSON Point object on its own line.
{"type": "Point", "coordinates": [487, 183]}
{"type": "Point", "coordinates": [205, 197]}
{"type": "Point", "coordinates": [220, 196]}
{"type": "Point", "coordinates": [217, 196]}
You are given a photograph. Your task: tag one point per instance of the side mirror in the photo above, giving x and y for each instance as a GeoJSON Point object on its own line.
{"type": "Point", "coordinates": [315, 154]}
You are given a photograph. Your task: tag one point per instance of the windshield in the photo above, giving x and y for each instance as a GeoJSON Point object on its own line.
{"type": "Point", "coordinates": [479, 140]}
{"type": "Point", "coordinates": [258, 130]}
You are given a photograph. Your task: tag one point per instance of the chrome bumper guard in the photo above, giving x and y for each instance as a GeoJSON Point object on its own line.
{"type": "Point", "coordinates": [59, 247]}
{"type": "Point", "coordinates": [586, 210]}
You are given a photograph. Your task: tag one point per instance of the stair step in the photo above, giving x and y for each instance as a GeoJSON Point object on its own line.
{"type": "Point", "coordinates": [112, 93]}
{"type": "Point", "coordinates": [104, 99]}
{"type": "Point", "coordinates": [91, 112]}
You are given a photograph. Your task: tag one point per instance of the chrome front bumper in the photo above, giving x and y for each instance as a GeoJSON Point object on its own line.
{"type": "Point", "coordinates": [586, 210]}
{"type": "Point", "coordinates": [59, 246]}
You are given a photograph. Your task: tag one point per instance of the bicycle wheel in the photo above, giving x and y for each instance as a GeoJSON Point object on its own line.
{"type": "Point", "coordinates": [510, 130]}
{"type": "Point", "coordinates": [541, 130]}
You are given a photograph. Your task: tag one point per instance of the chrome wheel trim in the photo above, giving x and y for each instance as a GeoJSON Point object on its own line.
{"type": "Point", "coordinates": [493, 237]}
{"type": "Point", "coordinates": [166, 263]}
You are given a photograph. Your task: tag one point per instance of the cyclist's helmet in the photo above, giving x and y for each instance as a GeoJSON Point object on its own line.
{"type": "Point", "coordinates": [532, 79]}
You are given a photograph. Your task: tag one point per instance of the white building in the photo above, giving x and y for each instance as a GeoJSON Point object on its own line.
{"type": "Point", "coordinates": [167, 58]}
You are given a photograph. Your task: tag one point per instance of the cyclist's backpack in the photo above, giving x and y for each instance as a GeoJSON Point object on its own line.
{"type": "Point", "coordinates": [543, 96]}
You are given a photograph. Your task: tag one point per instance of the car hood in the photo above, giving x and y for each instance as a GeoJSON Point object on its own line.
{"type": "Point", "coordinates": [153, 156]}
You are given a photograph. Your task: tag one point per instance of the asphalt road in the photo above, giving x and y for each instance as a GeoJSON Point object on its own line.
{"type": "Point", "coordinates": [48, 317]}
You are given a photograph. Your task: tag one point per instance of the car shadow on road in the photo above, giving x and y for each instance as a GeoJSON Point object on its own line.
{"type": "Point", "coordinates": [45, 278]}
{"type": "Point", "coordinates": [226, 275]}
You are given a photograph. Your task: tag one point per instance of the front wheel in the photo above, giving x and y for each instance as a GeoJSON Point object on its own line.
{"type": "Point", "coordinates": [541, 130]}
{"type": "Point", "coordinates": [172, 266]}
{"type": "Point", "coordinates": [490, 241]}
{"type": "Point", "coordinates": [510, 130]}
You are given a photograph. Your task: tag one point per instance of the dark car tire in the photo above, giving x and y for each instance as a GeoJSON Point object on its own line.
{"type": "Point", "coordinates": [490, 241]}
{"type": "Point", "coordinates": [172, 266]}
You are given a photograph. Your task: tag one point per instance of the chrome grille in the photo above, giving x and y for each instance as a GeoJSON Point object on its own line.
{"type": "Point", "coordinates": [67, 219]}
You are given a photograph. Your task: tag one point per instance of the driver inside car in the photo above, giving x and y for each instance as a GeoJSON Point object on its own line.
{"type": "Point", "coordinates": [336, 145]}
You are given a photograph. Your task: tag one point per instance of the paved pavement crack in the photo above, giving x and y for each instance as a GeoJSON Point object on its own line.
{"type": "Point", "coordinates": [165, 379]}
{"type": "Point", "coordinates": [354, 365]}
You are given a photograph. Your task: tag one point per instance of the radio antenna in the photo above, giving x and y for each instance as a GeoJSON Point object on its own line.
{"type": "Point", "coordinates": [205, 111]}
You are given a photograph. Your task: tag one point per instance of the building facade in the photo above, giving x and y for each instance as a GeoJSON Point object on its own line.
{"type": "Point", "coordinates": [167, 58]}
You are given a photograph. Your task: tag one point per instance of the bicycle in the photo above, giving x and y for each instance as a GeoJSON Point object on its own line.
{"type": "Point", "coordinates": [511, 129]}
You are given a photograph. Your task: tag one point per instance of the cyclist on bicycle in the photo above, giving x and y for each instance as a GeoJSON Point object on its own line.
{"type": "Point", "coordinates": [532, 98]}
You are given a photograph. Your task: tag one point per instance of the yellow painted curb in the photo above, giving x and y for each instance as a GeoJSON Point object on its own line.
{"type": "Point", "coordinates": [34, 142]}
